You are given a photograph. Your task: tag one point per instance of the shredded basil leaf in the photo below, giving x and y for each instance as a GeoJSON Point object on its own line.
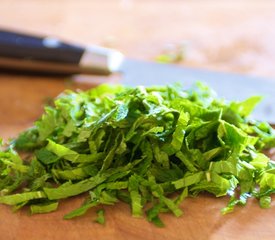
{"type": "Point", "coordinates": [100, 216]}
{"type": "Point", "coordinates": [139, 145]}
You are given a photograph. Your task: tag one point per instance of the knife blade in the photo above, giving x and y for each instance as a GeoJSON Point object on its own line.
{"type": "Point", "coordinates": [43, 54]}
{"type": "Point", "coordinates": [235, 87]}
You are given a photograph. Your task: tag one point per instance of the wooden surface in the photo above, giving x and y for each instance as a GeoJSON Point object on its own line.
{"type": "Point", "coordinates": [223, 35]}
{"type": "Point", "coordinates": [201, 220]}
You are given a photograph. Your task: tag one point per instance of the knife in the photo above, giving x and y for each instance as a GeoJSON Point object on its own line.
{"type": "Point", "coordinates": [21, 51]}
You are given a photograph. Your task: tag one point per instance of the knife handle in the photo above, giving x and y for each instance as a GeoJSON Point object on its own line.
{"type": "Point", "coordinates": [21, 51]}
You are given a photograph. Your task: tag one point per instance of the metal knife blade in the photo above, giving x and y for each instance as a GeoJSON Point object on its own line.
{"type": "Point", "coordinates": [227, 85]}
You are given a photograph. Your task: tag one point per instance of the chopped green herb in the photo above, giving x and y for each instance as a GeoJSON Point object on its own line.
{"type": "Point", "coordinates": [44, 208]}
{"type": "Point", "coordinates": [139, 145]}
{"type": "Point", "coordinates": [265, 202]}
{"type": "Point", "coordinates": [100, 216]}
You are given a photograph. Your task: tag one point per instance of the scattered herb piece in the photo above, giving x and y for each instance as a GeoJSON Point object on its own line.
{"type": "Point", "coordinates": [173, 53]}
{"type": "Point", "coordinates": [44, 208]}
{"type": "Point", "coordinates": [100, 216]}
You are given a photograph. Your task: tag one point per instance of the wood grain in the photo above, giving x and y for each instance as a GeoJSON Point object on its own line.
{"type": "Point", "coordinates": [140, 29]}
{"type": "Point", "coordinates": [217, 34]}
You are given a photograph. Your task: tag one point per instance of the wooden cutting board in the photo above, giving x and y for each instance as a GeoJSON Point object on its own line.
{"type": "Point", "coordinates": [21, 102]}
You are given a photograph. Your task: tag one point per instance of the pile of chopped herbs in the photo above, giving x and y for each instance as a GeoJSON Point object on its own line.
{"type": "Point", "coordinates": [139, 145]}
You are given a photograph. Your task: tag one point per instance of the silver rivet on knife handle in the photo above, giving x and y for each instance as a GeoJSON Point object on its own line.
{"type": "Point", "coordinates": [101, 60]}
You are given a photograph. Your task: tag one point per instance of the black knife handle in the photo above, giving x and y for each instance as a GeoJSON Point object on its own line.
{"type": "Point", "coordinates": [23, 46]}
{"type": "Point", "coordinates": [23, 52]}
